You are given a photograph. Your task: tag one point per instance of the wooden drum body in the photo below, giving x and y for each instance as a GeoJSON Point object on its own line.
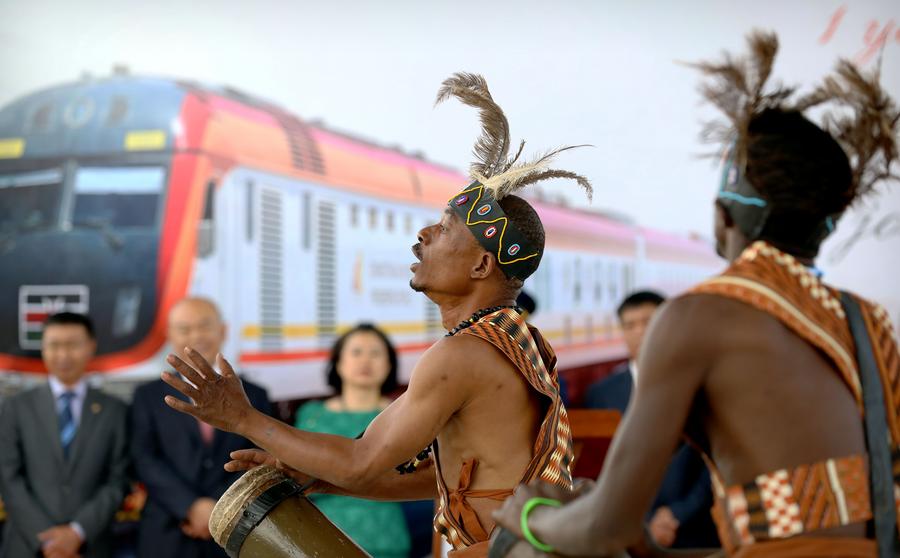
{"type": "Point", "coordinates": [263, 515]}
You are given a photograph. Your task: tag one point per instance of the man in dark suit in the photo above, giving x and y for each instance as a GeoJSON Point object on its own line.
{"type": "Point", "coordinates": [178, 458]}
{"type": "Point", "coordinates": [63, 454]}
{"type": "Point", "coordinates": [679, 517]}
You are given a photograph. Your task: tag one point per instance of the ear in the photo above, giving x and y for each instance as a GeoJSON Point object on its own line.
{"type": "Point", "coordinates": [722, 223]}
{"type": "Point", "coordinates": [484, 266]}
{"type": "Point", "coordinates": [722, 216]}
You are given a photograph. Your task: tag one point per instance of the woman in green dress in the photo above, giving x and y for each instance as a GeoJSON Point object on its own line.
{"type": "Point", "coordinates": [363, 367]}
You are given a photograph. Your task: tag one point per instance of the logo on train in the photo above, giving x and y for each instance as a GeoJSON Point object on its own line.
{"type": "Point", "coordinates": [37, 302]}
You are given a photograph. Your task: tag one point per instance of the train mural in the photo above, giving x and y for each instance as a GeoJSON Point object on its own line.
{"type": "Point", "coordinates": [119, 196]}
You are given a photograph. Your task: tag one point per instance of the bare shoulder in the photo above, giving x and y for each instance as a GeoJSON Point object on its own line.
{"type": "Point", "coordinates": [684, 317]}
{"type": "Point", "coordinates": [701, 306]}
{"type": "Point", "coordinates": [692, 329]}
{"type": "Point", "coordinates": [461, 348]}
{"type": "Point", "coordinates": [461, 358]}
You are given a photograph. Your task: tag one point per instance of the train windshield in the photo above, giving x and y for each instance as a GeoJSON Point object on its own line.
{"type": "Point", "coordinates": [117, 197]}
{"type": "Point", "coordinates": [30, 201]}
{"type": "Point", "coordinates": [107, 197]}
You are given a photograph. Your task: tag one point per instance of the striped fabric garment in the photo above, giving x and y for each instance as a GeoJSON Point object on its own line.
{"type": "Point", "coordinates": [552, 456]}
{"type": "Point", "coordinates": [834, 492]}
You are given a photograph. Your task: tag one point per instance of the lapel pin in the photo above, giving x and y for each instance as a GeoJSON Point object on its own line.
{"type": "Point", "coordinates": [95, 408]}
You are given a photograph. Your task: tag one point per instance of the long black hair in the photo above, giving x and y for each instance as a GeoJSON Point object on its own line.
{"type": "Point", "coordinates": [334, 379]}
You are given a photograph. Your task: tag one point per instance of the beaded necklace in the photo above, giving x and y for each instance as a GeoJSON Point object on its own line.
{"type": "Point", "coordinates": [477, 316]}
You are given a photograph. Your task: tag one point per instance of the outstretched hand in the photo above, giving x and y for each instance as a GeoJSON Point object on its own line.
{"type": "Point", "coordinates": [217, 399]}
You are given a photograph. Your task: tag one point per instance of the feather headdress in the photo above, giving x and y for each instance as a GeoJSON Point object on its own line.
{"type": "Point", "coordinates": [863, 118]}
{"type": "Point", "coordinates": [868, 131]}
{"type": "Point", "coordinates": [500, 174]}
{"type": "Point", "coordinates": [737, 88]}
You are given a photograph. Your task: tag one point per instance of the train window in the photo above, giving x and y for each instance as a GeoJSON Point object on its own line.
{"type": "Point", "coordinates": [118, 110]}
{"type": "Point", "coordinates": [613, 290]}
{"type": "Point", "coordinates": [249, 208]}
{"type": "Point", "coordinates": [389, 221]}
{"type": "Point", "coordinates": [117, 197]}
{"type": "Point", "coordinates": [626, 278]}
{"type": "Point", "coordinates": [306, 220]}
{"type": "Point", "coordinates": [373, 218]}
{"type": "Point", "coordinates": [577, 279]}
{"type": "Point", "coordinates": [598, 283]}
{"type": "Point", "coordinates": [30, 201]}
{"type": "Point", "coordinates": [408, 226]}
{"type": "Point", "coordinates": [209, 209]}
{"type": "Point", "coordinates": [206, 228]}
{"type": "Point", "coordinates": [354, 215]}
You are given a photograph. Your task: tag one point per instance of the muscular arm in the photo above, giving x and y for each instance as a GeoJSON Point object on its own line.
{"type": "Point", "coordinates": [673, 367]}
{"type": "Point", "coordinates": [358, 466]}
{"type": "Point", "coordinates": [392, 486]}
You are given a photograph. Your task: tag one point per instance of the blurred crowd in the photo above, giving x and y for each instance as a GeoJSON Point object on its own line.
{"type": "Point", "coordinates": [82, 473]}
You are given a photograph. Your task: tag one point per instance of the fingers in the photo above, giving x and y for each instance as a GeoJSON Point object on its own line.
{"type": "Point", "coordinates": [180, 405]}
{"type": "Point", "coordinates": [246, 459]}
{"type": "Point", "coordinates": [179, 384]}
{"type": "Point", "coordinates": [200, 364]}
{"type": "Point", "coordinates": [224, 366]}
{"type": "Point", "coordinates": [242, 455]}
{"type": "Point", "coordinates": [186, 370]}
{"type": "Point", "coordinates": [508, 514]}
{"type": "Point", "coordinates": [236, 465]}
{"type": "Point", "coordinates": [254, 455]}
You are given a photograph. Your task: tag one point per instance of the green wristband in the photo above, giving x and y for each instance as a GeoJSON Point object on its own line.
{"type": "Point", "coordinates": [529, 536]}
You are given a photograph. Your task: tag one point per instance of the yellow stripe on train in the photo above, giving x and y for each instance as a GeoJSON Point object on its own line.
{"type": "Point", "coordinates": [11, 148]}
{"type": "Point", "coordinates": [145, 140]}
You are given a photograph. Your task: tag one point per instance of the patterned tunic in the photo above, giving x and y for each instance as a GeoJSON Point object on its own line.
{"type": "Point", "coordinates": [816, 496]}
{"type": "Point", "coordinates": [552, 455]}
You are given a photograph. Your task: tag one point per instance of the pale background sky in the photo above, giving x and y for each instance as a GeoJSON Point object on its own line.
{"type": "Point", "coordinates": [564, 71]}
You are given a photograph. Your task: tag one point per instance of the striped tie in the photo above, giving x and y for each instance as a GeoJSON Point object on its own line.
{"type": "Point", "coordinates": [66, 421]}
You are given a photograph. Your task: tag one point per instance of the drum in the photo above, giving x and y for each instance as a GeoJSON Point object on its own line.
{"type": "Point", "coordinates": [263, 515]}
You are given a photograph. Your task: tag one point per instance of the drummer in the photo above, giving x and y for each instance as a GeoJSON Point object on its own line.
{"type": "Point", "coordinates": [483, 401]}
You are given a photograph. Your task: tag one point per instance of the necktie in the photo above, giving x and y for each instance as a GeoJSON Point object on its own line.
{"type": "Point", "coordinates": [206, 432]}
{"type": "Point", "coordinates": [66, 421]}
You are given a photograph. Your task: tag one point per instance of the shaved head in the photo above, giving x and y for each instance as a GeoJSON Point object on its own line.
{"type": "Point", "coordinates": [196, 303]}
{"type": "Point", "coordinates": [197, 323]}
